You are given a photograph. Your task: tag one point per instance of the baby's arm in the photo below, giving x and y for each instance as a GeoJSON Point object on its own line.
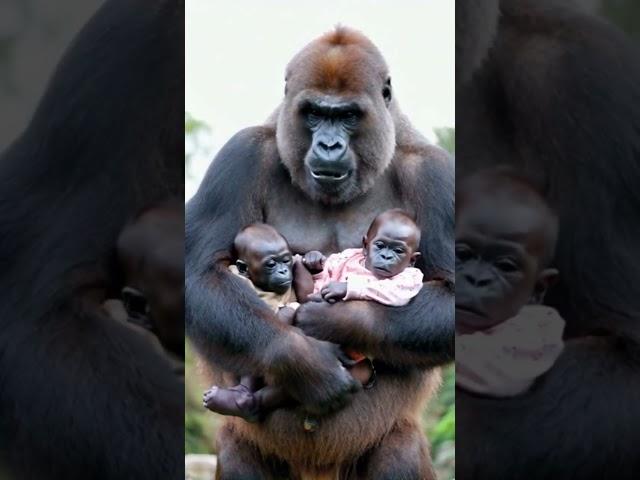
{"type": "Point", "coordinates": [303, 279]}
{"type": "Point", "coordinates": [394, 292]}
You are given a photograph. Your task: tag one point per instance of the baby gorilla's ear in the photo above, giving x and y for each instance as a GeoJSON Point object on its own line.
{"type": "Point", "coordinates": [364, 245]}
{"type": "Point", "coordinates": [242, 268]}
{"type": "Point", "coordinates": [414, 258]}
{"type": "Point", "coordinates": [546, 278]}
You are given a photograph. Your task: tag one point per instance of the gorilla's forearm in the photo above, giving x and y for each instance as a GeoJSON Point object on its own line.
{"type": "Point", "coordinates": [420, 334]}
{"type": "Point", "coordinates": [228, 324]}
{"type": "Point", "coordinates": [571, 424]}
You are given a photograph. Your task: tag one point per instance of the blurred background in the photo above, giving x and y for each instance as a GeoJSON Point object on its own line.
{"type": "Point", "coordinates": [236, 55]}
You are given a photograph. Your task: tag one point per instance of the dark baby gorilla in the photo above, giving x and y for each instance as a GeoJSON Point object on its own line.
{"type": "Point", "coordinates": [264, 258]}
{"type": "Point", "coordinates": [82, 395]}
{"type": "Point", "coordinates": [552, 91]}
{"type": "Point", "coordinates": [336, 152]}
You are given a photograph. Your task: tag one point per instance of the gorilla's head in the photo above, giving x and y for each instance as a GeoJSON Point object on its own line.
{"type": "Point", "coordinates": [335, 129]}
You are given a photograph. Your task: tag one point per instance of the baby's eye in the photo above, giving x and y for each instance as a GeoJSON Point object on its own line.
{"type": "Point", "coordinates": [399, 251]}
{"type": "Point", "coordinates": [507, 266]}
{"type": "Point", "coordinates": [463, 253]}
{"type": "Point", "coordinates": [271, 263]}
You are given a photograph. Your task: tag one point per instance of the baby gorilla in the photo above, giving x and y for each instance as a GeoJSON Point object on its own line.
{"type": "Point", "coordinates": [265, 262]}
{"type": "Point", "coordinates": [505, 240]}
{"type": "Point", "coordinates": [381, 271]}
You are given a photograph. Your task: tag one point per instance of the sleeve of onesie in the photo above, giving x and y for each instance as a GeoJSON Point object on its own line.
{"type": "Point", "coordinates": [395, 291]}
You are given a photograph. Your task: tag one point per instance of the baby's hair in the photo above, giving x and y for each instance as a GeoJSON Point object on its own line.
{"type": "Point", "coordinates": [504, 180]}
{"type": "Point", "coordinates": [396, 213]}
{"type": "Point", "coordinates": [247, 234]}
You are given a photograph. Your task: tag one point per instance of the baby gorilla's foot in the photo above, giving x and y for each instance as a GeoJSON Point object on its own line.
{"type": "Point", "coordinates": [237, 401]}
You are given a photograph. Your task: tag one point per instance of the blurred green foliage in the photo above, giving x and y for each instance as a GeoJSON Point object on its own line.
{"type": "Point", "coordinates": [439, 417]}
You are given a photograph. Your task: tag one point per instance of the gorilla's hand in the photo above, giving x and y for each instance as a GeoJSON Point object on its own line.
{"type": "Point", "coordinates": [311, 372]}
{"type": "Point", "coordinates": [420, 334]}
{"type": "Point", "coordinates": [338, 323]}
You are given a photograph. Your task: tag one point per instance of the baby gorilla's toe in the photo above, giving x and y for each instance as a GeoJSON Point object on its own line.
{"type": "Point", "coordinates": [237, 401]}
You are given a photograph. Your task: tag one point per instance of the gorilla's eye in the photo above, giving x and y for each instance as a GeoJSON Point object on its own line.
{"type": "Point", "coordinates": [463, 253]}
{"type": "Point", "coordinates": [270, 263]}
{"type": "Point", "coordinates": [399, 250]}
{"type": "Point", "coordinates": [314, 116]}
{"type": "Point", "coordinates": [350, 119]}
{"type": "Point", "coordinates": [386, 90]}
{"type": "Point", "coordinates": [507, 265]}
{"type": "Point", "coordinates": [386, 93]}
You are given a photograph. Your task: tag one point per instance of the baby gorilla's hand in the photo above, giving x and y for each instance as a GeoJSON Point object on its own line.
{"type": "Point", "coordinates": [314, 261]}
{"type": "Point", "coordinates": [334, 291]}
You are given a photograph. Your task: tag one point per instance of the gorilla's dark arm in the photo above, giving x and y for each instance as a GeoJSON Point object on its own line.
{"type": "Point", "coordinates": [577, 422]}
{"type": "Point", "coordinates": [83, 395]}
{"type": "Point", "coordinates": [226, 321]}
{"type": "Point", "coordinates": [422, 332]}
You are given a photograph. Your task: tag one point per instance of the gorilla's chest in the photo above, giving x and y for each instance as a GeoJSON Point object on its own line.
{"type": "Point", "coordinates": [311, 226]}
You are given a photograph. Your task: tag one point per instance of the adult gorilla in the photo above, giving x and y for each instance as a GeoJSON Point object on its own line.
{"type": "Point", "coordinates": [84, 396]}
{"type": "Point", "coordinates": [556, 92]}
{"type": "Point", "coordinates": [335, 153]}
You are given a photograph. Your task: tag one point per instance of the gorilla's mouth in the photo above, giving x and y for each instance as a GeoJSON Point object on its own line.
{"type": "Point", "coordinates": [330, 176]}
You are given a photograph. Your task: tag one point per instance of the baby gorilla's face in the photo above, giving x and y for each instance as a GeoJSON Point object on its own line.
{"type": "Point", "coordinates": [499, 254]}
{"type": "Point", "coordinates": [390, 248]}
{"type": "Point", "coordinates": [267, 263]}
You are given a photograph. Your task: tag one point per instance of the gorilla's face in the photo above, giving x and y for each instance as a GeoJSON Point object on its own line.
{"type": "Point", "coordinates": [335, 129]}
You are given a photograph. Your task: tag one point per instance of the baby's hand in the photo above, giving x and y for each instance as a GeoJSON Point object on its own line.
{"type": "Point", "coordinates": [314, 261]}
{"type": "Point", "coordinates": [334, 291]}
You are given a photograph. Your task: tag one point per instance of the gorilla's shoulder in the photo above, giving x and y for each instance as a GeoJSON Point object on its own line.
{"type": "Point", "coordinates": [252, 143]}
{"type": "Point", "coordinates": [421, 161]}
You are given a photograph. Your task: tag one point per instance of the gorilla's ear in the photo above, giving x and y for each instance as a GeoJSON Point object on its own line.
{"type": "Point", "coordinates": [386, 91]}
{"type": "Point", "coordinates": [546, 278]}
{"type": "Point", "coordinates": [414, 258]}
{"type": "Point", "coordinates": [364, 245]}
{"type": "Point", "coordinates": [242, 268]}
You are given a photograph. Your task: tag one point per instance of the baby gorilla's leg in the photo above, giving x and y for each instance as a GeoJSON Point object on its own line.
{"type": "Point", "coordinates": [239, 400]}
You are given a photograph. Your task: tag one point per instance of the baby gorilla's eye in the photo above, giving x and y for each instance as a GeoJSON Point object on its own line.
{"type": "Point", "coordinates": [463, 253]}
{"type": "Point", "coordinates": [507, 265]}
{"type": "Point", "coordinates": [399, 251]}
{"type": "Point", "coordinates": [378, 244]}
{"type": "Point", "coordinates": [271, 263]}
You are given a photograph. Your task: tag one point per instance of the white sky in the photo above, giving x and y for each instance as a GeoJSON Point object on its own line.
{"type": "Point", "coordinates": [236, 53]}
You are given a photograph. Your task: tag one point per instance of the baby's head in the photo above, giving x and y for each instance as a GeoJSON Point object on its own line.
{"type": "Point", "coordinates": [505, 240]}
{"type": "Point", "coordinates": [264, 257]}
{"type": "Point", "coordinates": [391, 243]}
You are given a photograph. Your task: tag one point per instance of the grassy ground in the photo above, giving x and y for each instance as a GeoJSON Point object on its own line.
{"type": "Point", "coordinates": [439, 420]}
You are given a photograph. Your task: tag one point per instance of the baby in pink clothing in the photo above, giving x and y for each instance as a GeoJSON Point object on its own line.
{"type": "Point", "coordinates": [381, 271]}
{"type": "Point", "coordinates": [505, 240]}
